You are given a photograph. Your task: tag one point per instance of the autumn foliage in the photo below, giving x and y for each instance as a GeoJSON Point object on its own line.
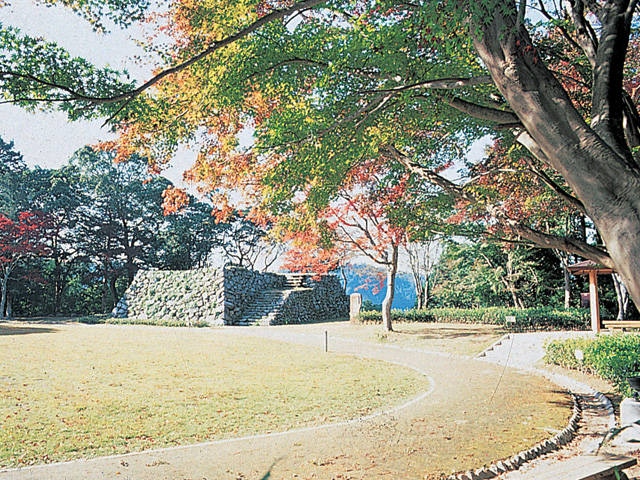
{"type": "Point", "coordinates": [20, 238]}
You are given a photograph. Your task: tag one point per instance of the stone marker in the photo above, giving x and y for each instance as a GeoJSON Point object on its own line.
{"type": "Point", "coordinates": [355, 304]}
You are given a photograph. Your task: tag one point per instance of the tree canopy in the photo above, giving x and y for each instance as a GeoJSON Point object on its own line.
{"type": "Point", "coordinates": [327, 85]}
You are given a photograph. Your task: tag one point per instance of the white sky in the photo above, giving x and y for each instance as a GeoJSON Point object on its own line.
{"type": "Point", "coordinates": [49, 139]}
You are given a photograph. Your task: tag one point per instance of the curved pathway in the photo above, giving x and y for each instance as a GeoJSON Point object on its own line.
{"type": "Point", "coordinates": [357, 448]}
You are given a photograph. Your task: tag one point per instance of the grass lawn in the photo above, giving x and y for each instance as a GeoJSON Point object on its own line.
{"type": "Point", "coordinates": [460, 339]}
{"type": "Point", "coordinates": [72, 390]}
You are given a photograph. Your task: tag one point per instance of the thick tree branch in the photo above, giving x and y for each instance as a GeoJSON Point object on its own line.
{"type": "Point", "coordinates": [501, 117]}
{"type": "Point", "coordinates": [567, 244]}
{"type": "Point", "coordinates": [607, 105]}
{"type": "Point", "coordinates": [630, 120]}
{"type": "Point", "coordinates": [587, 38]}
{"type": "Point", "coordinates": [542, 240]}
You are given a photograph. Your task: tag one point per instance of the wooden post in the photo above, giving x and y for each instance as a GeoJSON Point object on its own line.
{"type": "Point", "coordinates": [594, 301]}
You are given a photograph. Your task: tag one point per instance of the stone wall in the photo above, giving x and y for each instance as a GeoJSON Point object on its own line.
{"type": "Point", "coordinates": [222, 296]}
{"type": "Point", "coordinates": [321, 300]}
{"type": "Point", "coordinates": [195, 296]}
{"type": "Point", "coordinates": [242, 286]}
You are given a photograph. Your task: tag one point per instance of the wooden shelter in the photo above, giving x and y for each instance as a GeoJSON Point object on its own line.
{"type": "Point", "coordinates": [591, 268]}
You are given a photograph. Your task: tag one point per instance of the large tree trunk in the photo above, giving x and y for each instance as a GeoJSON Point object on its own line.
{"type": "Point", "coordinates": [392, 270]}
{"type": "Point", "coordinates": [593, 161]}
{"type": "Point", "coordinates": [113, 300]}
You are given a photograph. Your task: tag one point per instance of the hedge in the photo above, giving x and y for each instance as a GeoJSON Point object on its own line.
{"type": "Point", "coordinates": [531, 319]}
{"type": "Point", "coordinates": [612, 357]}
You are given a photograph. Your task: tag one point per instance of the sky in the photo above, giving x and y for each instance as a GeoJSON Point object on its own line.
{"type": "Point", "coordinates": [49, 139]}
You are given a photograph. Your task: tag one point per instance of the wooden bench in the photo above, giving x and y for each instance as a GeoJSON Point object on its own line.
{"type": "Point", "coordinates": [622, 325]}
{"type": "Point", "coordinates": [585, 467]}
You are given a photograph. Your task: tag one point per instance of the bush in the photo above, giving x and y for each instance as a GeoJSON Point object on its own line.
{"type": "Point", "coordinates": [612, 357]}
{"type": "Point", "coordinates": [158, 322]}
{"type": "Point", "coordinates": [543, 318]}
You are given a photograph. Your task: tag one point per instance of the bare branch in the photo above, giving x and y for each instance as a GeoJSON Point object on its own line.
{"type": "Point", "coordinates": [565, 32]}
{"type": "Point", "coordinates": [557, 189]}
{"type": "Point", "coordinates": [422, 172]}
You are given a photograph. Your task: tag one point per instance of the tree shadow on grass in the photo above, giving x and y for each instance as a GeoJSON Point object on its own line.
{"type": "Point", "coordinates": [18, 330]}
{"type": "Point", "coordinates": [565, 401]}
{"type": "Point", "coordinates": [61, 320]}
{"type": "Point", "coordinates": [443, 332]}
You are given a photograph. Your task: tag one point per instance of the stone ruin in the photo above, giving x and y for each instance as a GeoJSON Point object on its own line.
{"type": "Point", "coordinates": [232, 296]}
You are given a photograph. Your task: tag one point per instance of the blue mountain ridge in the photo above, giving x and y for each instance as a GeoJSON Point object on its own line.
{"type": "Point", "coordinates": [370, 282]}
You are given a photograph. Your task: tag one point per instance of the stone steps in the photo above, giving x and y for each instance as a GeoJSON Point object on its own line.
{"type": "Point", "coordinates": [265, 307]}
{"type": "Point", "coordinates": [295, 280]}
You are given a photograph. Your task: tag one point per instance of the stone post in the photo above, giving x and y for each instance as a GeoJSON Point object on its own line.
{"type": "Point", "coordinates": [629, 415]}
{"type": "Point", "coordinates": [355, 304]}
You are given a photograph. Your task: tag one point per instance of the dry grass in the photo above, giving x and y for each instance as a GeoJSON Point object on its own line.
{"type": "Point", "coordinates": [460, 339]}
{"type": "Point", "coordinates": [70, 391]}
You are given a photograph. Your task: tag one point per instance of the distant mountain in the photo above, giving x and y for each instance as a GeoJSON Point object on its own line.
{"type": "Point", "coordinates": [370, 282]}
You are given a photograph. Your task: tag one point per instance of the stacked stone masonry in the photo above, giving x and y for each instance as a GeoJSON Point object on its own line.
{"type": "Point", "coordinates": [232, 296]}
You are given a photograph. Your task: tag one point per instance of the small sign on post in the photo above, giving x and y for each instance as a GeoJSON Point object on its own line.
{"type": "Point", "coordinates": [510, 319]}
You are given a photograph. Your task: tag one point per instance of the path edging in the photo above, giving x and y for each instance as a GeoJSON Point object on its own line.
{"type": "Point", "coordinates": [546, 446]}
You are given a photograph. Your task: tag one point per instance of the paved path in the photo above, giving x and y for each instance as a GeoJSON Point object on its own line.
{"type": "Point", "coordinates": [525, 351]}
{"type": "Point", "coordinates": [356, 448]}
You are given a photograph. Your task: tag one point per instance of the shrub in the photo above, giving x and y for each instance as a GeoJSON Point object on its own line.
{"type": "Point", "coordinates": [543, 318]}
{"type": "Point", "coordinates": [612, 357]}
{"type": "Point", "coordinates": [160, 322]}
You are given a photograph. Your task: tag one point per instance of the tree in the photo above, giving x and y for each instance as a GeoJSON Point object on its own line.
{"type": "Point", "coordinates": [57, 194]}
{"type": "Point", "coordinates": [484, 274]}
{"type": "Point", "coordinates": [423, 258]}
{"type": "Point", "coordinates": [120, 215]}
{"type": "Point", "coordinates": [187, 239]}
{"type": "Point", "coordinates": [19, 239]}
{"type": "Point", "coordinates": [12, 168]}
{"type": "Point", "coordinates": [243, 242]}
{"type": "Point", "coordinates": [360, 220]}
{"type": "Point", "coordinates": [378, 77]}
